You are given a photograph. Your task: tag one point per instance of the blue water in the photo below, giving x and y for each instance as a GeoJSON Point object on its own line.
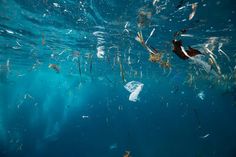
{"type": "Point", "coordinates": [81, 108]}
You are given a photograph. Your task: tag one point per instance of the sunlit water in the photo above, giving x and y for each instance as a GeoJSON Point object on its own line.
{"type": "Point", "coordinates": [65, 64]}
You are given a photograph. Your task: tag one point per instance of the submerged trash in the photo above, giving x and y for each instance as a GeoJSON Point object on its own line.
{"type": "Point", "coordinates": [178, 50]}
{"type": "Point", "coordinates": [205, 136]}
{"type": "Point", "coordinates": [56, 5]}
{"type": "Point", "coordinates": [201, 95]}
{"type": "Point", "coordinates": [85, 117]}
{"type": "Point", "coordinates": [155, 1]}
{"type": "Point", "coordinates": [153, 30]}
{"type": "Point", "coordinates": [222, 52]}
{"type": "Point", "coordinates": [127, 24]}
{"type": "Point", "coordinates": [134, 87]}
{"type": "Point", "coordinates": [127, 154]}
{"type": "Point", "coordinates": [69, 31]}
{"type": "Point", "coordinates": [100, 52]}
{"type": "Point", "coordinates": [140, 39]}
{"type": "Point", "coordinates": [9, 31]}
{"type": "Point", "coordinates": [195, 56]}
{"type": "Point", "coordinates": [54, 67]}
{"type": "Point", "coordinates": [187, 35]}
{"type": "Point", "coordinates": [194, 8]}
{"type": "Point", "coordinates": [155, 57]}
{"type": "Point", "coordinates": [28, 96]}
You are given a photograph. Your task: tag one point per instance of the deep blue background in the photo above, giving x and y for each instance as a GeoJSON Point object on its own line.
{"type": "Point", "coordinates": [161, 124]}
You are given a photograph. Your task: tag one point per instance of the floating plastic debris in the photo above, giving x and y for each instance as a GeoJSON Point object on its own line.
{"type": "Point", "coordinates": [153, 30]}
{"type": "Point", "coordinates": [100, 52]}
{"type": "Point", "coordinates": [201, 95]}
{"type": "Point", "coordinates": [127, 154]}
{"type": "Point", "coordinates": [155, 1]}
{"type": "Point", "coordinates": [28, 96]}
{"type": "Point", "coordinates": [56, 5]}
{"type": "Point", "coordinates": [187, 35]}
{"type": "Point", "coordinates": [69, 31]}
{"type": "Point", "coordinates": [9, 31]}
{"type": "Point", "coordinates": [62, 52]}
{"type": "Point", "coordinates": [54, 67]}
{"type": "Point", "coordinates": [208, 51]}
{"type": "Point", "coordinates": [221, 51]}
{"type": "Point", "coordinates": [134, 87]}
{"type": "Point", "coordinates": [85, 117]}
{"type": "Point", "coordinates": [198, 60]}
{"type": "Point", "coordinates": [212, 56]}
{"type": "Point", "coordinates": [155, 57]}
{"type": "Point", "coordinates": [127, 24]}
{"type": "Point", "coordinates": [140, 39]}
{"type": "Point", "coordinates": [194, 8]}
{"type": "Point", "coordinates": [100, 43]}
{"type": "Point", "coordinates": [181, 52]}
{"type": "Point", "coordinates": [205, 136]}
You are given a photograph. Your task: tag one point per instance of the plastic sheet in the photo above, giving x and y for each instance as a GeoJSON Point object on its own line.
{"type": "Point", "coordinates": [198, 60]}
{"type": "Point", "coordinates": [134, 87]}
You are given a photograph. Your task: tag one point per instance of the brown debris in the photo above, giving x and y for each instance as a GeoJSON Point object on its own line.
{"type": "Point", "coordinates": [178, 50]}
{"type": "Point", "coordinates": [127, 154]}
{"type": "Point", "coordinates": [54, 67]}
{"type": "Point", "coordinates": [155, 57]}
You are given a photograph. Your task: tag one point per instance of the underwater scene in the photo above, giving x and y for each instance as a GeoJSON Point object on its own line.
{"type": "Point", "coordinates": [117, 78]}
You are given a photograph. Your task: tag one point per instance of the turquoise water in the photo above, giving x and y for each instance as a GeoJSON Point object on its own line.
{"type": "Point", "coordinates": [65, 67]}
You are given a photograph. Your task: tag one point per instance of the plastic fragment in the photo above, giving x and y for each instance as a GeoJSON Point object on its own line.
{"type": "Point", "coordinates": [201, 95]}
{"type": "Point", "coordinates": [134, 87]}
{"type": "Point", "coordinates": [194, 8]}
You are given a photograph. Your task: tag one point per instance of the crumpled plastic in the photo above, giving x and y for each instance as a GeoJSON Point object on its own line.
{"type": "Point", "coordinates": [134, 87]}
{"type": "Point", "coordinates": [199, 60]}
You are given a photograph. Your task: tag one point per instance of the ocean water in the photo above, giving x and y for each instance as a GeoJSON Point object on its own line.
{"type": "Point", "coordinates": [65, 66]}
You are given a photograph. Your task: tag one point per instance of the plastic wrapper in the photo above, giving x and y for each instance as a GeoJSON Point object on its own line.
{"type": "Point", "coordinates": [134, 87]}
{"type": "Point", "coordinates": [199, 60]}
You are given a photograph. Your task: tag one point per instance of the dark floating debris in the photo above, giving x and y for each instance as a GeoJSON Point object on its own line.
{"type": "Point", "coordinates": [180, 53]}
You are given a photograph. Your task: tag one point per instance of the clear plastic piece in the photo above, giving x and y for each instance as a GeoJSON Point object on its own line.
{"type": "Point", "coordinates": [134, 87]}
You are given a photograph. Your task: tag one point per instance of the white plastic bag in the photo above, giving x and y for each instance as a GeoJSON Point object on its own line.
{"type": "Point", "coordinates": [134, 87]}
